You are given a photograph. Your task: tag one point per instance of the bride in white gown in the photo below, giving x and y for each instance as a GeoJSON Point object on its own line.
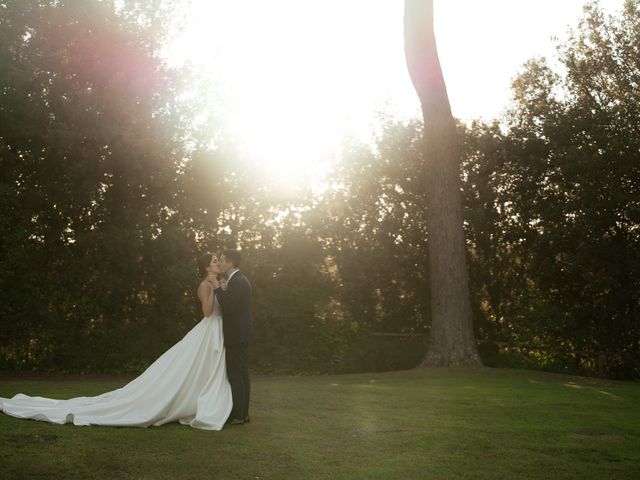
{"type": "Point", "coordinates": [188, 383]}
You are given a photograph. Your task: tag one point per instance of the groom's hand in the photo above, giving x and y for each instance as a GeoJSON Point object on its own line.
{"type": "Point", "coordinates": [213, 280]}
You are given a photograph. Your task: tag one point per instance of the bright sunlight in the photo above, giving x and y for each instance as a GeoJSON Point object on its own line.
{"type": "Point", "coordinates": [299, 77]}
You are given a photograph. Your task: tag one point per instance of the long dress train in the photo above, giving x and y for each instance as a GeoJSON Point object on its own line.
{"type": "Point", "coordinates": [188, 383]}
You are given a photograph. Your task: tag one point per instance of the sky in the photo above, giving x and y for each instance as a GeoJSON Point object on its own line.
{"type": "Point", "coordinates": [483, 45]}
{"type": "Point", "coordinates": [299, 76]}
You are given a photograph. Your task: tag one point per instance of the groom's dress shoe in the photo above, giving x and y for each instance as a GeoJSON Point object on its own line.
{"type": "Point", "coordinates": [236, 421]}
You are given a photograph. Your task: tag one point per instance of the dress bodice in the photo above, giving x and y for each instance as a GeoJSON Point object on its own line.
{"type": "Point", "coordinates": [217, 311]}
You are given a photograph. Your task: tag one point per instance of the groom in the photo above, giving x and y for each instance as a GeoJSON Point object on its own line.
{"type": "Point", "coordinates": [235, 302]}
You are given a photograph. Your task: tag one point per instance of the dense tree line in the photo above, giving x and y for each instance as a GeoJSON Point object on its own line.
{"type": "Point", "coordinates": [91, 250]}
{"type": "Point", "coordinates": [555, 211]}
{"type": "Point", "coordinates": [109, 193]}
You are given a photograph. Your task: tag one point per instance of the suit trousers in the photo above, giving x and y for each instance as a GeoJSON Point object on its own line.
{"type": "Point", "coordinates": [238, 374]}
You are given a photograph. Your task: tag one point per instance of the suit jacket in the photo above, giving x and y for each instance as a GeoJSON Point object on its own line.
{"type": "Point", "coordinates": [235, 303]}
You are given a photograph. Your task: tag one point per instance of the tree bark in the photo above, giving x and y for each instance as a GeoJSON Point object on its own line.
{"type": "Point", "coordinates": [451, 339]}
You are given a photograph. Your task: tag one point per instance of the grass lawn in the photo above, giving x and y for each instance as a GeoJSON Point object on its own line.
{"type": "Point", "coordinates": [433, 424]}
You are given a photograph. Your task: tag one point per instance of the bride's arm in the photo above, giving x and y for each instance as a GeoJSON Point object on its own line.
{"type": "Point", "coordinates": [205, 294]}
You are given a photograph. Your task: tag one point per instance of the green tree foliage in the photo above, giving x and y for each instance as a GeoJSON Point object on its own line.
{"type": "Point", "coordinates": [92, 256]}
{"type": "Point", "coordinates": [554, 203]}
{"type": "Point", "coordinates": [551, 214]}
{"type": "Point", "coordinates": [110, 190]}
{"type": "Point", "coordinates": [373, 226]}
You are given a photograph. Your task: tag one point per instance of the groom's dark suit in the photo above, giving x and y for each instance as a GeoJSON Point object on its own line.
{"type": "Point", "coordinates": [235, 303]}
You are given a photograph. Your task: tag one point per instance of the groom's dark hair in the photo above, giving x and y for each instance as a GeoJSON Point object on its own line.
{"type": "Point", "coordinates": [233, 256]}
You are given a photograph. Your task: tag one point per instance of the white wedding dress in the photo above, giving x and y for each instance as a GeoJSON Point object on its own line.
{"type": "Point", "coordinates": [188, 383]}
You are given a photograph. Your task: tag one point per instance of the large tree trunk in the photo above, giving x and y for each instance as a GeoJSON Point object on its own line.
{"type": "Point", "coordinates": [451, 339]}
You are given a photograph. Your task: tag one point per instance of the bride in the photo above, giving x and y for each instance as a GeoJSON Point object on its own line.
{"type": "Point", "coordinates": [188, 383]}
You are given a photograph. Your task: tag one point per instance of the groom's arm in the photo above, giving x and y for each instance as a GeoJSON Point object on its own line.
{"type": "Point", "coordinates": [230, 297]}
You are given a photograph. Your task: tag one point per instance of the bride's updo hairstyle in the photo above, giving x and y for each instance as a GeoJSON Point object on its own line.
{"type": "Point", "coordinates": [203, 263]}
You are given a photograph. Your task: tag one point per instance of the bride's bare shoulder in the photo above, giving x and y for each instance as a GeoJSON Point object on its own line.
{"type": "Point", "coordinates": [204, 287]}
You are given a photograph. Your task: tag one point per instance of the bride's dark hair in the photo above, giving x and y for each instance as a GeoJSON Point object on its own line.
{"type": "Point", "coordinates": [203, 263]}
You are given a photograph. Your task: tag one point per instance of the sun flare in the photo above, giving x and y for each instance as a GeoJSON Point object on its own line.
{"type": "Point", "coordinates": [295, 78]}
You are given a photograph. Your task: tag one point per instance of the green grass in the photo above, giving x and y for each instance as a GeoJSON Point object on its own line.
{"type": "Point", "coordinates": [433, 424]}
